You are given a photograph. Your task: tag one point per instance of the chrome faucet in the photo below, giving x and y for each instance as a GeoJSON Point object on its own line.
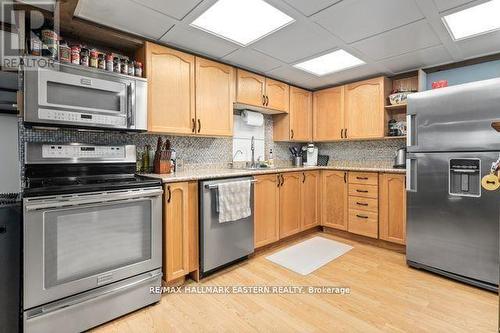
{"type": "Point", "coordinates": [231, 164]}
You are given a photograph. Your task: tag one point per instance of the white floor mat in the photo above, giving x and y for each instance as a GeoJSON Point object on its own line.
{"type": "Point", "coordinates": [307, 256]}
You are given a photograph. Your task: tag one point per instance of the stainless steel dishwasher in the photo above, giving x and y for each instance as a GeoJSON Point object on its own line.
{"type": "Point", "coordinates": [222, 244]}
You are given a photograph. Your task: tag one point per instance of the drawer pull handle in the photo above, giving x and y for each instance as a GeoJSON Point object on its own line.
{"type": "Point", "coordinates": [361, 204]}
{"type": "Point", "coordinates": [362, 191]}
{"type": "Point", "coordinates": [362, 178]}
{"type": "Point", "coordinates": [362, 216]}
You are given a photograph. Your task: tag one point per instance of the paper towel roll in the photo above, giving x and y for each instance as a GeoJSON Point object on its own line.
{"type": "Point", "coordinates": [252, 118]}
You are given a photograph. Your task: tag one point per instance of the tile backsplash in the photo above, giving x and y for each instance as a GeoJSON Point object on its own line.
{"type": "Point", "coordinates": [199, 152]}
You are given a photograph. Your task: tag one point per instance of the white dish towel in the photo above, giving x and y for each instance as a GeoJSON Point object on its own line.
{"type": "Point", "coordinates": [234, 201]}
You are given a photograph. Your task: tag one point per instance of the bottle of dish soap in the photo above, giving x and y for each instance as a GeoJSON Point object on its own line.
{"type": "Point", "coordinates": [271, 159]}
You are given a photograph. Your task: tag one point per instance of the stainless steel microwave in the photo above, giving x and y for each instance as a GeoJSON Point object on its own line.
{"type": "Point", "coordinates": [66, 95]}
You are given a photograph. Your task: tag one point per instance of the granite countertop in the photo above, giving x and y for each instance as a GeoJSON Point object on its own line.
{"type": "Point", "coordinates": [213, 173]}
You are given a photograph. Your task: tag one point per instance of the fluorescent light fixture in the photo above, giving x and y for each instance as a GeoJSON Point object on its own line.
{"type": "Point", "coordinates": [474, 21]}
{"type": "Point", "coordinates": [335, 61]}
{"type": "Point", "coordinates": [242, 21]}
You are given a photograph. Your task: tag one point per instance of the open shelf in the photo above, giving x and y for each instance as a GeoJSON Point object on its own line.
{"type": "Point", "coordinates": [398, 107]}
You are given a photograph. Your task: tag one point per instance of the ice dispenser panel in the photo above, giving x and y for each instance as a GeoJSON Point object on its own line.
{"type": "Point", "coordinates": [465, 177]}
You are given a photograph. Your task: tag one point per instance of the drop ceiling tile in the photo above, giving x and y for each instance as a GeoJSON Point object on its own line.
{"type": "Point", "coordinates": [480, 45]}
{"type": "Point", "coordinates": [252, 59]}
{"type": "Point", "coordinates": [354, 20]}
{"type": "Point", "coordinates": [351, 75]}
{"type": "Point", "coordinates": [294, 76]}
{"type": "Point", "coordinates": [295, 42]}
{"type": "Point", "coordinates": [125, 15]}
{"type": "Point", "coordinates": [176, 9]}
{"type": "Point", "coordinates": [198, 41]}
{"type": "Point", "coordinates": [431, 56]}
{"type": "Point", "coordinates": [310, 7]}
{"type": "Point", "coordinates": [411, 37]}
{"type": "Point", "coordinates": [444, 5]}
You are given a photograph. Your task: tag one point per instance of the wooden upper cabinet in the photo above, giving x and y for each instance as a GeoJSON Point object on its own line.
{"type": "Point", "coordinates": [310, 199]}
{"type": "Point", "coordinates": [334, 199]}
{"type": "Point", "coordinates": [364, 108]}
{"type": "Point", "coordinates": [290, 202]}
{"type": "Point", "coordinates": [176, 231]}
{"type": "Point", "coordinates": [266, 210]}
{"type": "Point", "coordinates": [277, 95]}
{"type": "Point", "coordinates": [250, 88]}
{"type": "Point", "coordinates": [328, 114]}
{"type": "Point", "coordinates": [392, 211]}
{"type": "Point", "coordinates": [300, 115]}
{"type": "Point", "coordinates": [214, 98]}
{"type": "Point", "coordinates": [297, 124]}
{"type": "Point", "coordinates": [171, 90]}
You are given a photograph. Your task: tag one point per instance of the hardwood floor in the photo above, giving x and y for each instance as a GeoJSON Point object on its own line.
{"type": "Point", "coordinates": [386, 296]}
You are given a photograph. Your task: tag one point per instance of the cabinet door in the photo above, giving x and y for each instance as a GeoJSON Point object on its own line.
{"type": "Point", "coordinates": [171, 98]}
{"type": "Point", "coordinates": [364, 109]}
{"type": "Point", "coordinates": [300, 115]}
{"type": "Point", "coordinates": [309, 199]}
{"type": "Point", "coordinates": [193, 231]}
{"type": "Point", "coordinates": [290, 203]}
{"type": "Point", "coordinates": [334, 199]}
{"type": "Point", "coordinates": [392, 208]}
{"type": "Point", "coordinates": [328, 114]}
{"type": "Point", "coordinates": [176, 231]}
{"type": "Point", "coordinates": [250, 88]}
{"type": "Point", "coordinates": [297, 124]}
{"type": "Point", "coordinates": [214, 98]}
{"type": "Point", "coordinates": [266, 210]}
{"type": "Point", "coordinates": [277, 95]}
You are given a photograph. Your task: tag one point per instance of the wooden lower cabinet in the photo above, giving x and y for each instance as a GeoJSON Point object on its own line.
{"type": "Point", "coordinates": [290, 203]}
{"type": "Point", "coordinates": [392, 208]}
{"type": "Point", "coordinates": [180, 230]}
{"type": "Point", "coordinates": [334, 199]}
{"type": "Point", "coordinates": [309, 199]}
{"type": "Point", "coordinates": [266, 210]}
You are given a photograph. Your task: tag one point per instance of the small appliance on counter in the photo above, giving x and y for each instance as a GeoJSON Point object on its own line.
{"type": "Point", "coordinates": [400, 158]}
{"type": "Point", "coordinates": [311, 155]}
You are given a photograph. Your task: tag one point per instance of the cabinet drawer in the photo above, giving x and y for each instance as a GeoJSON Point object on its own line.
{"type": "Point", "coordinates": [363, 223]}
{"type": "Point", "coordinates": [367, 178]}
{"type": "Point", "coordinates": [365, 204]}
{"type": "Point", "coordinates": [365, 191]}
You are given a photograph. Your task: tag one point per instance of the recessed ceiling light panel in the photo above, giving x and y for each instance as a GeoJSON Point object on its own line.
{"type": "Point", "coordinates": [335, 61]}
{"type": "Point", "coordinates": [474, 21]}
{"type": "Point", "coordinates": [242, 21]}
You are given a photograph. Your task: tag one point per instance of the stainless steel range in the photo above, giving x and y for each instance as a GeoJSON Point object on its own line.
{"type": "Point", "coordinates": [92, 236]}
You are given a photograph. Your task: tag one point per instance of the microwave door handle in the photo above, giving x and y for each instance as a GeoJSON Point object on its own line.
{"type": "Point", "coordinates": [130, 103]}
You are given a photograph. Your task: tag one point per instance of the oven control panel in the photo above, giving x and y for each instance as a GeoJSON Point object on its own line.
{"type": "Point", "coordinates": [77, 117]}
{"type": "Point", "coordinates": [92, 152]}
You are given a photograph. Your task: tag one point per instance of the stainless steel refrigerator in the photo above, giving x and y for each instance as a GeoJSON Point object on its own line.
{"type": "Point", "coordinates": [453, 223]}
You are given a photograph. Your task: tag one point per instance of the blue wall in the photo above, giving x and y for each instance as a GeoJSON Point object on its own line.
{"type": "Point", "coordinates": [483, 71]}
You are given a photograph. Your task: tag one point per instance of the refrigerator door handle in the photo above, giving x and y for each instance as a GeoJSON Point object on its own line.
{"type": "Point", "coordinates": [411, 133]}
{"type": "Point", "coordinates": [411, 175]}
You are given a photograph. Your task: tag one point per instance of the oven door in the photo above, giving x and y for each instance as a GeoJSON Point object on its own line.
{"type": "Point", "coordinates": [74, 243]}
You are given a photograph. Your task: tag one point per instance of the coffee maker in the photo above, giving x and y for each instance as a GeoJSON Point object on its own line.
{"type": "Point", "coordinates": [310, 154]}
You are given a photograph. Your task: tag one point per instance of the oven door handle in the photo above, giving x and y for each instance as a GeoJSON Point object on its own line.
{"type": "Point", "coordinates": [96, 199]}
